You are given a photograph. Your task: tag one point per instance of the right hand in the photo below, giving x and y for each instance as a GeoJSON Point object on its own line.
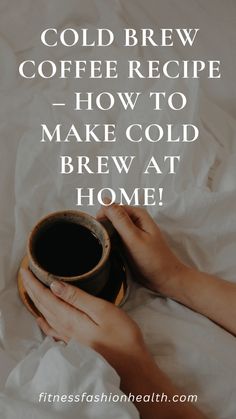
{"type": "Point", "coordinates": [149, 256]}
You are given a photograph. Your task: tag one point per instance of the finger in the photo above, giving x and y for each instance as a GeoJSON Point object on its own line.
{"type": "Point", "coordinates": [73, 324]}
{"type": "Point", "coordinates": [93, 307]}
{"type": "Point", "coordinates": [49, 331]}
{"type": "Point", "coordinates": [58, 314]}
{"type": "Point", "coordinates": [56, 311]}
{"type": "Point", "coordinates": [141, 218]}
{"type": "Point", "coordinates": [100, 214]}
{"type": "Point", "coordinates": [122, 222]}
{"type": "Point", "coordinates": [38, 293]}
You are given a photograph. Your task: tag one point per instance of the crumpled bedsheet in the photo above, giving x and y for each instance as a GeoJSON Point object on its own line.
{"type": "Point", "coordinates": [198, 219]}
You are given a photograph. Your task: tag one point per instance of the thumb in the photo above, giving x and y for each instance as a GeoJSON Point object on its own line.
{"type": "Point", "coordinates": [79, 299]}
{"type": "Point", "coordinates": [122, 222]}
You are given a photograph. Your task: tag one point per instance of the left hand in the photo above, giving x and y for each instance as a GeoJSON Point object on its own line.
{"type": "Point", "coordinates": [70, 313]}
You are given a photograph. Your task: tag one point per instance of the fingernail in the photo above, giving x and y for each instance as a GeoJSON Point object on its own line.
{"type": "Point", "coordinates": [106, 200]}
{"type": "Point", "coordinates": [57, 287]}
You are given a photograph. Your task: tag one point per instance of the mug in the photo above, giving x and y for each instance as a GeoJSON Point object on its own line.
{"type": "Point", "coordinates": [70, 246]}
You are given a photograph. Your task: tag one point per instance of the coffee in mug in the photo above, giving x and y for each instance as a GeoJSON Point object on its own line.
{"type": "Point", "coordinates": [70, 246]}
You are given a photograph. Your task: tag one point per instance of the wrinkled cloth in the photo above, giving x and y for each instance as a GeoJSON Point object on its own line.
{"type": "Point", "coordinates": [198, 218]}
{"type": "Point", "coordinates": [53, 369]}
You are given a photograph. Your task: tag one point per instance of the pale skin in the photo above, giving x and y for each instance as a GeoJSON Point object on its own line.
{"type": "Point", "coordinates": [69, 313]}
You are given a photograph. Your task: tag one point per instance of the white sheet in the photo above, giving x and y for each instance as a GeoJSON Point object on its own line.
{"type": "Point", "coordinates": [198, 219]}
{"type": "Point", "coordinates": [70, 370]}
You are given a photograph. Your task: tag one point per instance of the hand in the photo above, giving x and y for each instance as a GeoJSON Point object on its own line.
{"type": "Point", "coordinates": [151, 259]}
{"type": "Point", "coordinates": [69, 312]}
{"type": "Point", "coordinates": [72, 313]}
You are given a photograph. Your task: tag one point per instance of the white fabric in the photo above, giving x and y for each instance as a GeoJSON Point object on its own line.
{"type": "Point", "coordinates": [198, 219]}
{"type": "Point", "coordinates": [53, 369]}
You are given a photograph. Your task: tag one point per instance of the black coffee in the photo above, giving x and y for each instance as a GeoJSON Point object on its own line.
{"type": "Point", "coordinates": [65, 248]}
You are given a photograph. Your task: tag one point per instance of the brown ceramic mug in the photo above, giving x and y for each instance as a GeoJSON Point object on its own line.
{"type": "Point", "coordinates": [70, 246]}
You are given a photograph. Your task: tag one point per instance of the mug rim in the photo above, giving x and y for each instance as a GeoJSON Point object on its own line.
{"type": "Point", "coordinates": [106, 246]}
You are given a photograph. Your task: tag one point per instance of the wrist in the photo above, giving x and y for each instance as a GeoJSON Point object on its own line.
{"type": "Point", "coordinates": [137, 372]}
{"type": "Point", "coordinates": [173, 280]}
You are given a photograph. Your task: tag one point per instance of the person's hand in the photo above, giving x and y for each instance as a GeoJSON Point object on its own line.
{"type": "Point", "coordinates": [70, 313]}
{"type": "Point", "coordinates": [149, 256]}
